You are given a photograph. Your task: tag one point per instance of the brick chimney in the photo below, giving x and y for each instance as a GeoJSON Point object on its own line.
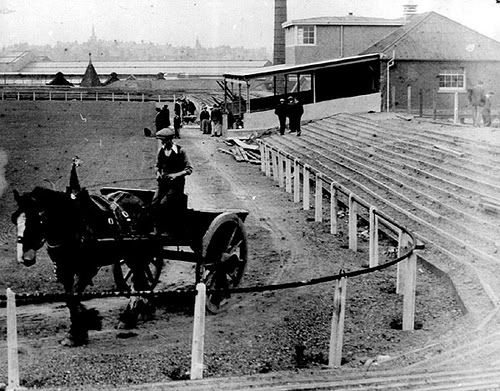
{"type": "Point", "coordinates": [279, 32]}
{"type": "Point", "coordinates": [409, 10]}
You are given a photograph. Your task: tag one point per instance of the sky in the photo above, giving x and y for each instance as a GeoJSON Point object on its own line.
{"type": "Point", "coordinates": [246, 23]}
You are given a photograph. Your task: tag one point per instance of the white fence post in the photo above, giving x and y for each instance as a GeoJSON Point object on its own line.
{"type": "Point", "coordinates": [143, 97]}
{"type": "Point", "coordinates": [318, 199]}
{"type": "Point", "coordinates": [34, 95]}
{"type": "Point", "coordinates": [353, 224]}
{"type": "Point", "coordinates": [159, 98]}
{"type": "Point", "coordinates": [3, 96]}
{"type": "Point", "coordinates": [288, 175]}
{"type": "Point", "coordinates": [373, 253]}
{"type": "Point", "coordinates": [409, 292]}
{"type": "Point", "coordinates": [281, 172]}
{"type": "Point", "coordinates": [337, 328]}
{"type": "Point", "coordinates": [400, 276]}
{"type": "Point", "coordinates": [198, 333]}
{"type": "Point", "coordinates": [128, 96]}
{"type": "Point", "coordinates": [18, 96]}
{"type": "Point", "coordinates": [306, 190]}
{"type": "Point", "coordinates": [333, 209]}
{"type": "Point", "coordinates": [262, 157]}
{"type": "Point", "coordinates": [96, 96]}
{"type": "Point", "coordinates": [81, 96]}
{"type": "Point", "coordinates": [12, 348]}
{"type": "Point", "coordinates": [112, 97]}
{"type": "Point", "coordinates": [296, 181]}
{"type": "Point", "coordinates": [65, 96]}
{"type": "Point", "coordinates": [275, 165]}
{"type": "Point", "coordinates": [269, 162]}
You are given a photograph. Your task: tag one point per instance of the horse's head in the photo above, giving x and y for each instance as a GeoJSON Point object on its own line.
{"type": "Point", "coordinates": [30, 220]}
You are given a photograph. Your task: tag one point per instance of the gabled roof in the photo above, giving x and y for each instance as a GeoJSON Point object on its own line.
{"type": "Point", "coordinates": [431, 36]}
{"type": "Point", "coordinates": [90, 78]}
{"type": "Point", "coordinates": [349, 20]}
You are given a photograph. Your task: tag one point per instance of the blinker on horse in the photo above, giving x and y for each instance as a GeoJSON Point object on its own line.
{"type": "Point", "coordinates": [69, 224]}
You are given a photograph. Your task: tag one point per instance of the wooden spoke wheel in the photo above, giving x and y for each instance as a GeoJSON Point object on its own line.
{"type": "Point", "coordinates": [142, 274]}
{"type": "Point", "coordinates": [224, 258]}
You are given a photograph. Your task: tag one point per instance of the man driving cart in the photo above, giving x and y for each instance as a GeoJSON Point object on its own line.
{"type": "Point", "coordinates": [169, 202]}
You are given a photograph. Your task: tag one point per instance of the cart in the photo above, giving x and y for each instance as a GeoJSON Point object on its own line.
{"type": "Point", "coordinates": [215, 240]}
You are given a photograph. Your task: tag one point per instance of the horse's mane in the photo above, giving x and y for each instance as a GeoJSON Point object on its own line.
{"type": "Point", "coordinates": [48, 197]}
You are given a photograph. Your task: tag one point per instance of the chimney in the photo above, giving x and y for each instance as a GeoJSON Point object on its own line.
{"type": "Point", "coordinates": [409, 10]}
{"type": "Point", "coordinates": [279, 32]}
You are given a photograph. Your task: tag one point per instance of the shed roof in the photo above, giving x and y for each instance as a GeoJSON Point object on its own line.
{"type": "Point", "coordinates": [434, 37]}
{"type": "Point", "coordinates": [302, 68]}
{"type": "Point", "coordinates": [348, 20]}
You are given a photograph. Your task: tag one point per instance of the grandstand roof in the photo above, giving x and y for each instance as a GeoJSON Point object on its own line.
{"type": "Point", "coordinates": [213, 68]}
{"type": "Point", "coordinates": [247, 74]}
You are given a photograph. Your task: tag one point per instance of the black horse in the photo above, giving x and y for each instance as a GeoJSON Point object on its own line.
{"type": "Point", "coordinates": [72, 224]}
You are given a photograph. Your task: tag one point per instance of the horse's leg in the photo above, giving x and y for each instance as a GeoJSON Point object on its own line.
{"type": "Point", "coordinates": [91, 319]}
{"type": "Point", "coordinates": [77, 335]}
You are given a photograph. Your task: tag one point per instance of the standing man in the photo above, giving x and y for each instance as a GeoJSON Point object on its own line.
{"type": "Point", "coordinates": [486, 112]}
{"type": "Point", "coordinates": [216, 117]}
{"type": "Point", "coordinates": [169, 201]}
{"type": "Point", "coordinates": [477, 99]}
{"type": "Point", "coordinates": [177, 126]}
{"type": "Point", "coordinates": [204, 120]}
{"type": "Point", "coordinates": [299, 111]}
{"type": "Point", "coordinates": [290, 113]}
{"type": "Point", "coordinates": [281, 112]}
{"type": "Point", "coordinates": [162, 119]}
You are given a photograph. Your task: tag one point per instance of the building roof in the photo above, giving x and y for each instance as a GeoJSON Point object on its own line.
{"type": "Point", "coordinates": [349, 20]}
{"type": "Point", "coordinates": [302, 68]}
{"type": "Point", "coordinates": [215, 68]}
{"type": "Point", "coordinates": [434, 37]}
{"type": "Point", "coordinates": [10, 57]}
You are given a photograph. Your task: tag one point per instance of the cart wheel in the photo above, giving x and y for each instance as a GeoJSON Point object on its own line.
{"type": "Point", "coordinates": [224, 257]}
{"type": "Point", "coordinates": [138, 275]}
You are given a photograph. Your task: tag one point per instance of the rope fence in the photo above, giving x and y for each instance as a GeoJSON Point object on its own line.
{"type": "Point", "coordinates": [294, 177]}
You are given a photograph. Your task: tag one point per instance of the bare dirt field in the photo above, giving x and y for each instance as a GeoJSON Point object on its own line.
{"type": "Point", "coordinates": [260, 332]}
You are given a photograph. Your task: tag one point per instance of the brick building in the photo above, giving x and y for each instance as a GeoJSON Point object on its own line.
{"type": "Point", "coordinates": [437, 57]}
{"type": "Point", "coordinates": [325, 38]}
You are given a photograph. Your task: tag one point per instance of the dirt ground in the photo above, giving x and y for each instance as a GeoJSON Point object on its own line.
{"type": "Point", "coordinates": [260, 332]}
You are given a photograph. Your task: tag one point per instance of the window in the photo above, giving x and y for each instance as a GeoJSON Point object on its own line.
{"type": "Point", "coordinates": [306, 35]}
{"type": "Point", "coordinates": [452, 79]}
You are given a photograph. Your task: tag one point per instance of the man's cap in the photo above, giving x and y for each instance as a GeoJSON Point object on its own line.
{"type": "Point", "coordinates": [290, 98]}
{"type": "Point", "coordinates": [282, 99]}
{"type": "Point", "coordinates": [165, 133]}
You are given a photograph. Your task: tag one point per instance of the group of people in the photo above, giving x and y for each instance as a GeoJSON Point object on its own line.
{"type": "Point", "coordinates": [211, 122]}
{"type": "Point", "coordinates": [292, 110]}
{"type": "Point", "coordinates": [481, 104]}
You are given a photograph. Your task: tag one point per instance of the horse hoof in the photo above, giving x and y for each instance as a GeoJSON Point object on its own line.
{"type": "Point", "coordinates": [71, 343]}
{"type": "Point", "coordinates": [125, 326]}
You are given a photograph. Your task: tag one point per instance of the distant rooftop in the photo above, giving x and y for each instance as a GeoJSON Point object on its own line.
{"type": "Point", "coordinates": [11, 57]}
{"type": "Point", "coordinates": [348, 20]}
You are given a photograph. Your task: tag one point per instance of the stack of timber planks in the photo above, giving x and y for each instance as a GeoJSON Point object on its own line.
{"type": "Point", "coordinates": [243, 150]}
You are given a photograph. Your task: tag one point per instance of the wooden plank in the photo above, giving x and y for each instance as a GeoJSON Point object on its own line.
{"type": "Point", "coordinates": [446, 149]}
{"type": "Point", "coordinates": [244, 145]}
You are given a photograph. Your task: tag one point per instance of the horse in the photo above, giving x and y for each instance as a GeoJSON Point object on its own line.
{"type": "Point", "coordinates": [70, 224]}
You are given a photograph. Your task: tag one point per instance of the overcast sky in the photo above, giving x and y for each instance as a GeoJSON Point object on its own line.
{"type": "Point", "coordinates": [214, 22]}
